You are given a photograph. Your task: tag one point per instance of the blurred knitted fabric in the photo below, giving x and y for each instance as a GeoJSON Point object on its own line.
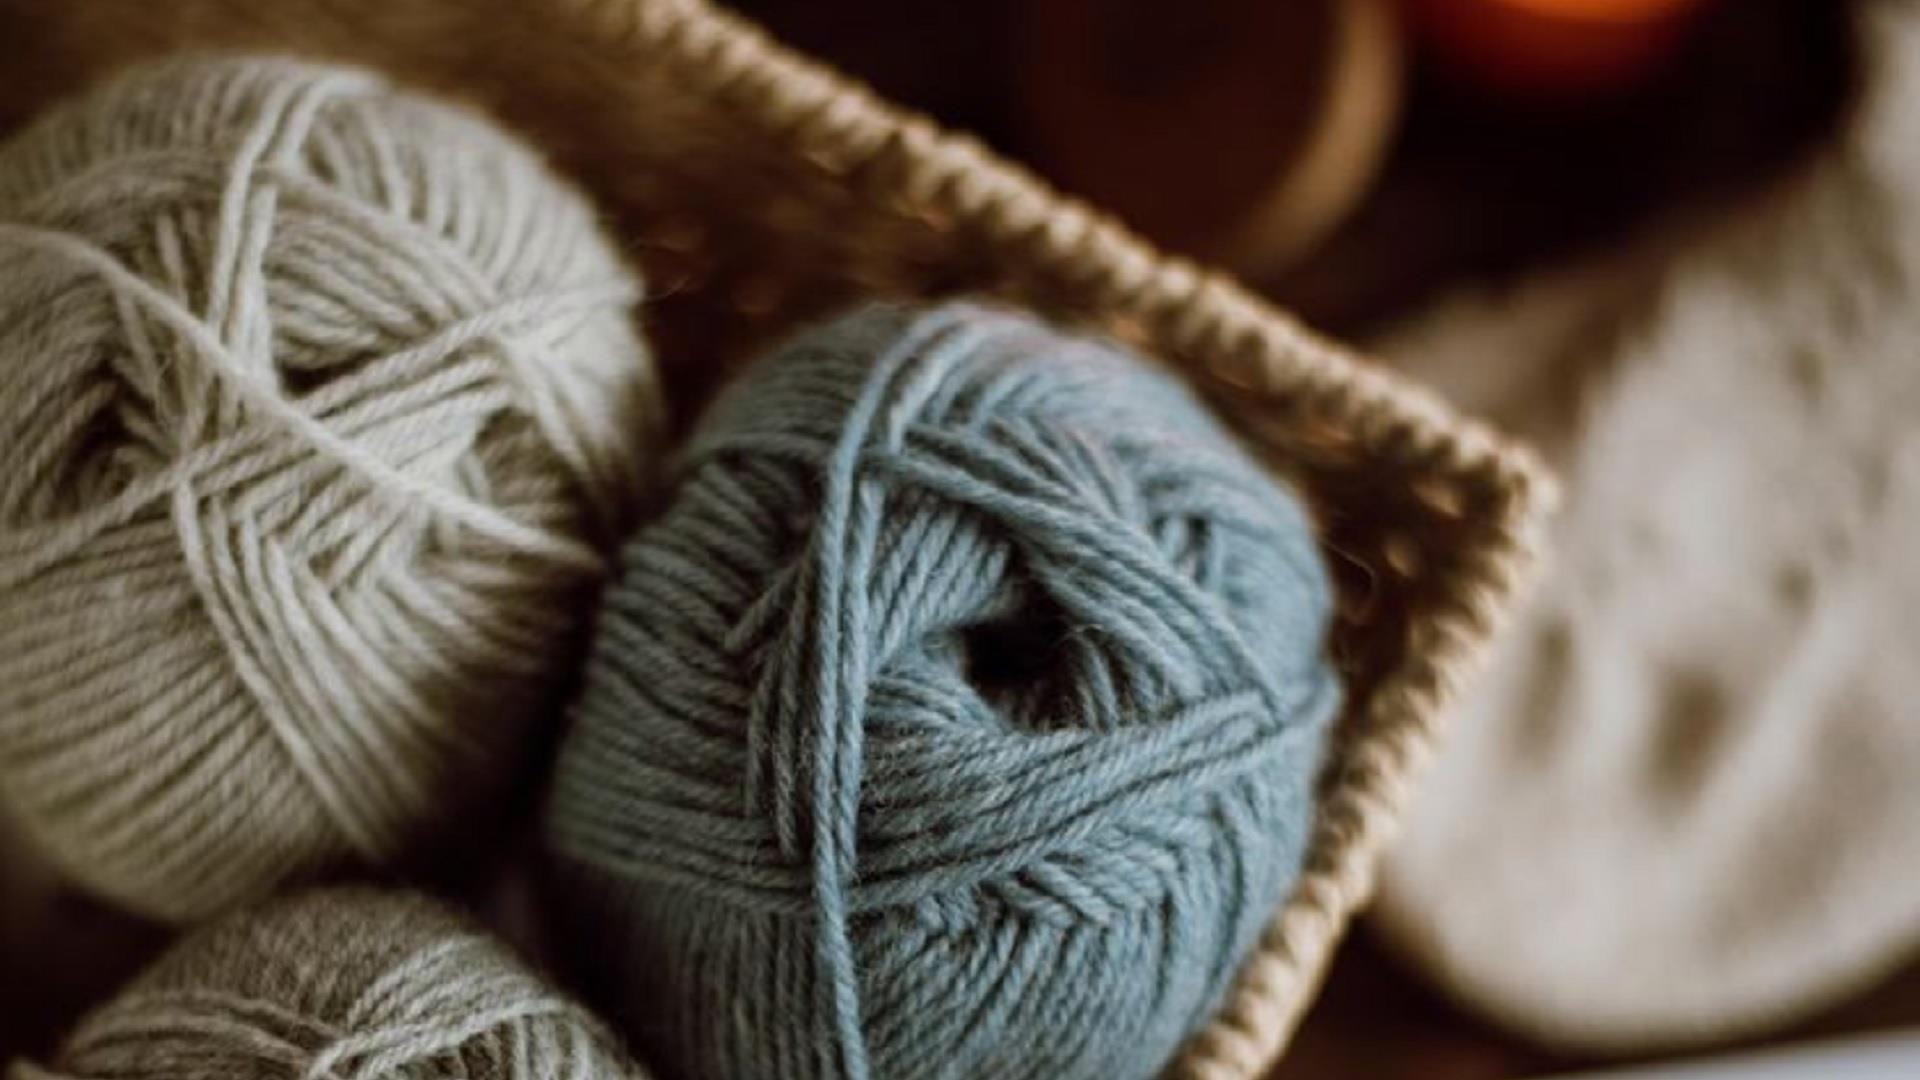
{"type": "Point", "coordinates": [1683, 806]}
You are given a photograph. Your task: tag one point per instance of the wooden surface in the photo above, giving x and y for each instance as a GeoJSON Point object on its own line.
{"type": "Point", "coordinates": [1375, 1020]}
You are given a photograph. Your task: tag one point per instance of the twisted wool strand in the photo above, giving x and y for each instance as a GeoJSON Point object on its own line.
{"type": "Point", "coordinates": [319, 401]}
{"type": "Point", "coordinates": [959, 718]}
{"type": "Point", "coordinates": [339, 985]}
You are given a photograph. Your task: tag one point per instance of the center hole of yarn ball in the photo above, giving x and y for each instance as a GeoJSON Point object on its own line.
{"type": "Point", "coordinates": [301, 381]}
{"type": "Point", "coordinates": [105, 457]}
{"type": "Point", "coordinates": [1010, 658]}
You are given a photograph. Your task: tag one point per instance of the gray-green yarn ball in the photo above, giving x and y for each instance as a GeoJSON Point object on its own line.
{"type": "Point", "coordinates": [321, 406]}
{"type": "Point", "coordinates": [348, 984]}
{"type": "Point", "coordinates": [959, 718]}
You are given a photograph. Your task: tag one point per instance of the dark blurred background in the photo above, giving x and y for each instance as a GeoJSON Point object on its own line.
{"type": "Point", "coordinates": [1470, 173]}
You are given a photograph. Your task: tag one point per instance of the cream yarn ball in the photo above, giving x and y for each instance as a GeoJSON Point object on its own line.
{"type": "Point", "coordinates": [320, 403]}
{"type": "Point", "coordinates": [348, 984]}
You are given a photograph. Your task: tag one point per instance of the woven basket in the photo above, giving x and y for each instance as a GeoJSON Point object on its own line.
{"type": "Point", "coordinates": [758, 189]}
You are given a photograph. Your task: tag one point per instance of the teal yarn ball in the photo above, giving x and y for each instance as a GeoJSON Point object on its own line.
{"type": "Point", "coordinates": [958, 718]}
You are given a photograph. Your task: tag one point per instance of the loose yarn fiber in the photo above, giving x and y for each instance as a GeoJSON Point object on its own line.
{"type": "Point", "coordinates": [319, 402]}
{"type": "Point", "coordinates": [348, 984]}
{"type": "Point", "coordinates": [959, 718]}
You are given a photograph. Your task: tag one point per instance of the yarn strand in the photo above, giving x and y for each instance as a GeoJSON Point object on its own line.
{"type": "Point", "coordinates": [493, 525]}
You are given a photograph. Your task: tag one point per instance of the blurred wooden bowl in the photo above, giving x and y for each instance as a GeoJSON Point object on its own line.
{"type": "Point", "coordinates": [1240, 131]}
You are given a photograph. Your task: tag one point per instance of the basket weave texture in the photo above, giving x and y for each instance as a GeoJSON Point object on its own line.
{"type": "Point", "coordinates": [758, 189]}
